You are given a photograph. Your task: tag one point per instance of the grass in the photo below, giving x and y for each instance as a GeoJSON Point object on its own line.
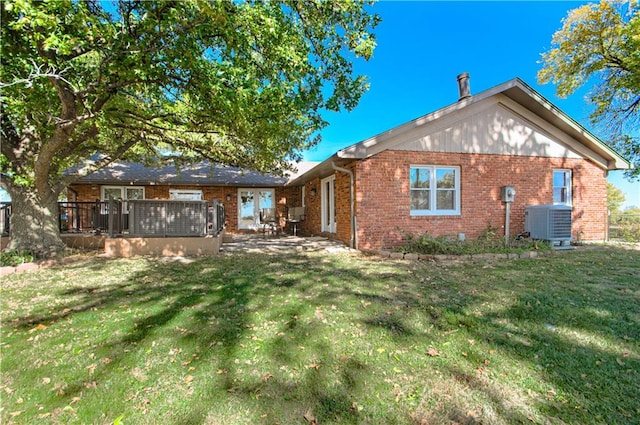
{"type": "Point", "coordinates": [268, 339]}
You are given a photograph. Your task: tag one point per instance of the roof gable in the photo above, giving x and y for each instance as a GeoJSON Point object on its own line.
{"type": "Point", "coordinates": [511, 118]}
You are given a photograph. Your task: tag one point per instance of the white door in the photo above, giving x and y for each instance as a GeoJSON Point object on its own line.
{"type": "Point", "coordinates": [250, 201]}
{"type": "Point", "coordinates": [328, 204]}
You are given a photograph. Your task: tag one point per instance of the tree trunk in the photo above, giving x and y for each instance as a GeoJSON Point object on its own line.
{"type": "Point", "coordinates": [34, 222]}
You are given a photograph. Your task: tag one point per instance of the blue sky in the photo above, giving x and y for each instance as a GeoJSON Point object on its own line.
{"type": "Point", "coordinates": [424, 45]}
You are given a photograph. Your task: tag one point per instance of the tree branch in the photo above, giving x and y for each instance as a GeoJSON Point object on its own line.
{"type": "Point", "coordinates": [37, 73]}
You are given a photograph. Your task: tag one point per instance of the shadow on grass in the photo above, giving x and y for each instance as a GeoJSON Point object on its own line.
{"type": "Point", "coordinates": [227, 309]}
{"type": "Point", "coordinates": [573, 320]}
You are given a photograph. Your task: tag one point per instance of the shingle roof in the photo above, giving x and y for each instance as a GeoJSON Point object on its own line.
{"type": "Point", "coordinates": [203, 173]}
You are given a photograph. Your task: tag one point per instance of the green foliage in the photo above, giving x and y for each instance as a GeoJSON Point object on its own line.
{"type": "Point", "coordinates": [615, 198]}
{"type": "Point", "coordinates": [241, 83]}
{"type": "Point", "coordinates": [600, 43]}
{"type": "Point", "coordinates": [489, 241]}
{"type": "Point", "coordinates": [625, 225]}
{"type": "Point", "coordinates": [15, 257]}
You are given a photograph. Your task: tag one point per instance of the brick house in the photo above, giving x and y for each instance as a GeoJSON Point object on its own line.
{"type": "Point", "coordinates": [441, 174]}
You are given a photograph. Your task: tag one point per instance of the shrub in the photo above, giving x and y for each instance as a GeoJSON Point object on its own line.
{"type": "Point", "coordinates": [489, 241]}
{"type": "Point", "coordinates": [630, 232]}
{"type": "Point", "coordinates": [625, 226]}
{"type": "Point", "coordinates": [14, 257]}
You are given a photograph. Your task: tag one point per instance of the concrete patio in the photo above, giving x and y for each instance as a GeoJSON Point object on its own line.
{"type": "Point", "coordinates": [260, 243]}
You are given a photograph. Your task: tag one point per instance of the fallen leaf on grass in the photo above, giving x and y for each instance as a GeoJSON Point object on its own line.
{"type": "Point", "coordinates": [433, 352]}
{"type": "Point", "coordinates": [188, 379]}
{"type": "Point", "coordinates": [39, 327]}
{"type": "Point", "coordinates": [266, 377]}
{"type": "Point", "coordinates": [308, 416]}
{"type": "Point", "coordinates": [315, 366]}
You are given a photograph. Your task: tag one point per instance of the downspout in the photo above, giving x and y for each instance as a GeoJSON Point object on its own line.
{"type": "Point", "coordinates": [353, 243]}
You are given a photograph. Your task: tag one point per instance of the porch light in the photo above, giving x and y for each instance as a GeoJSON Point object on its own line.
{"type": "Point", "coordinates": [228, 197]}
{"type": "Point", "coordinates": [313, 191]}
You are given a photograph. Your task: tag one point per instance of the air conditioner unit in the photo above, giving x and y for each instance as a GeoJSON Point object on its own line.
{"type": "Point", "coordinates": [548, 222]}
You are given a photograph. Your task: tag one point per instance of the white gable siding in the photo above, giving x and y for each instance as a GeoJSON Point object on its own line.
{"type": "Point", "coordinates": [491, 130]}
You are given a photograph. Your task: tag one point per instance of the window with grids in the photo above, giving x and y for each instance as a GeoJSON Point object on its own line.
{"type": "Point", "coordinates": [435, 190]}
{"type": "Point", "coordinates": [562, 187]}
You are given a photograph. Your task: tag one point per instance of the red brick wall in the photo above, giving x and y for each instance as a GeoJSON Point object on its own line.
{"type": "Point", "coordinates": [383, 209]}
{"type": "Point", "coordinates": [343, 207]}
{"type": "Point", "coordinates": [312, 224]}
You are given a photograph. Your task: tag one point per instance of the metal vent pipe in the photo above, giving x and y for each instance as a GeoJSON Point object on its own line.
{"type": "Point", "coordinates": [463, 86]}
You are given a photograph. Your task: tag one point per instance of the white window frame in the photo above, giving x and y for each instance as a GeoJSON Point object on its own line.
{"type": "Point", "coordinates": [255, 224]}
{"type": "Point", "coordinates": [568, 179]}
{"type": "Point", "coordinates": [185, 194]}
{"type": "Point", "coordinates": [123, 191]}
{"type": "Point", "coordinates": [433, 211]}
{"type": "Point", "coordinates": [304, 192]}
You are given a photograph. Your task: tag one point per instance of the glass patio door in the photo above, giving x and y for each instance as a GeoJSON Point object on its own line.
{"type": "Point", "coordinates": [250, 201]}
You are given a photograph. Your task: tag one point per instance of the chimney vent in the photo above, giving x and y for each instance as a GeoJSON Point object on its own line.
{"type": "Point", "coordinates": [463, 86]}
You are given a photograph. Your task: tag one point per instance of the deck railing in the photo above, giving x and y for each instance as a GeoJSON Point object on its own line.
{"type": "Point", "coordinates": [150, 218]}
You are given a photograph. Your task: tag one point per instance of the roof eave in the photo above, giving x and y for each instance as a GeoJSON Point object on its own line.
{"type": "Point", "coordinates": [321, 170]}
{"type": "Point", "coordinates": [547, 110]}
{"type": "Point", "coordinates": [520, 92]}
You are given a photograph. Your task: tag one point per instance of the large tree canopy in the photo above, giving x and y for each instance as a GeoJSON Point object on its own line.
{"type": "Point", "coordinates": [237, 82]}
{"type": "Point", "coordinates": [599, 44]}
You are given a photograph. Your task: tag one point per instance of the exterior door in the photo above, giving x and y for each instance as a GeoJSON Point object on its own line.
{"type": "Point", "coordinates": [250, 201]}
{"type": "Point", "coordinates": [328, 204]}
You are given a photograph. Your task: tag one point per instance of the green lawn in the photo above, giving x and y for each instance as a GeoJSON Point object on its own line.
{"type": "Point", "coordinates": [344, 339]}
